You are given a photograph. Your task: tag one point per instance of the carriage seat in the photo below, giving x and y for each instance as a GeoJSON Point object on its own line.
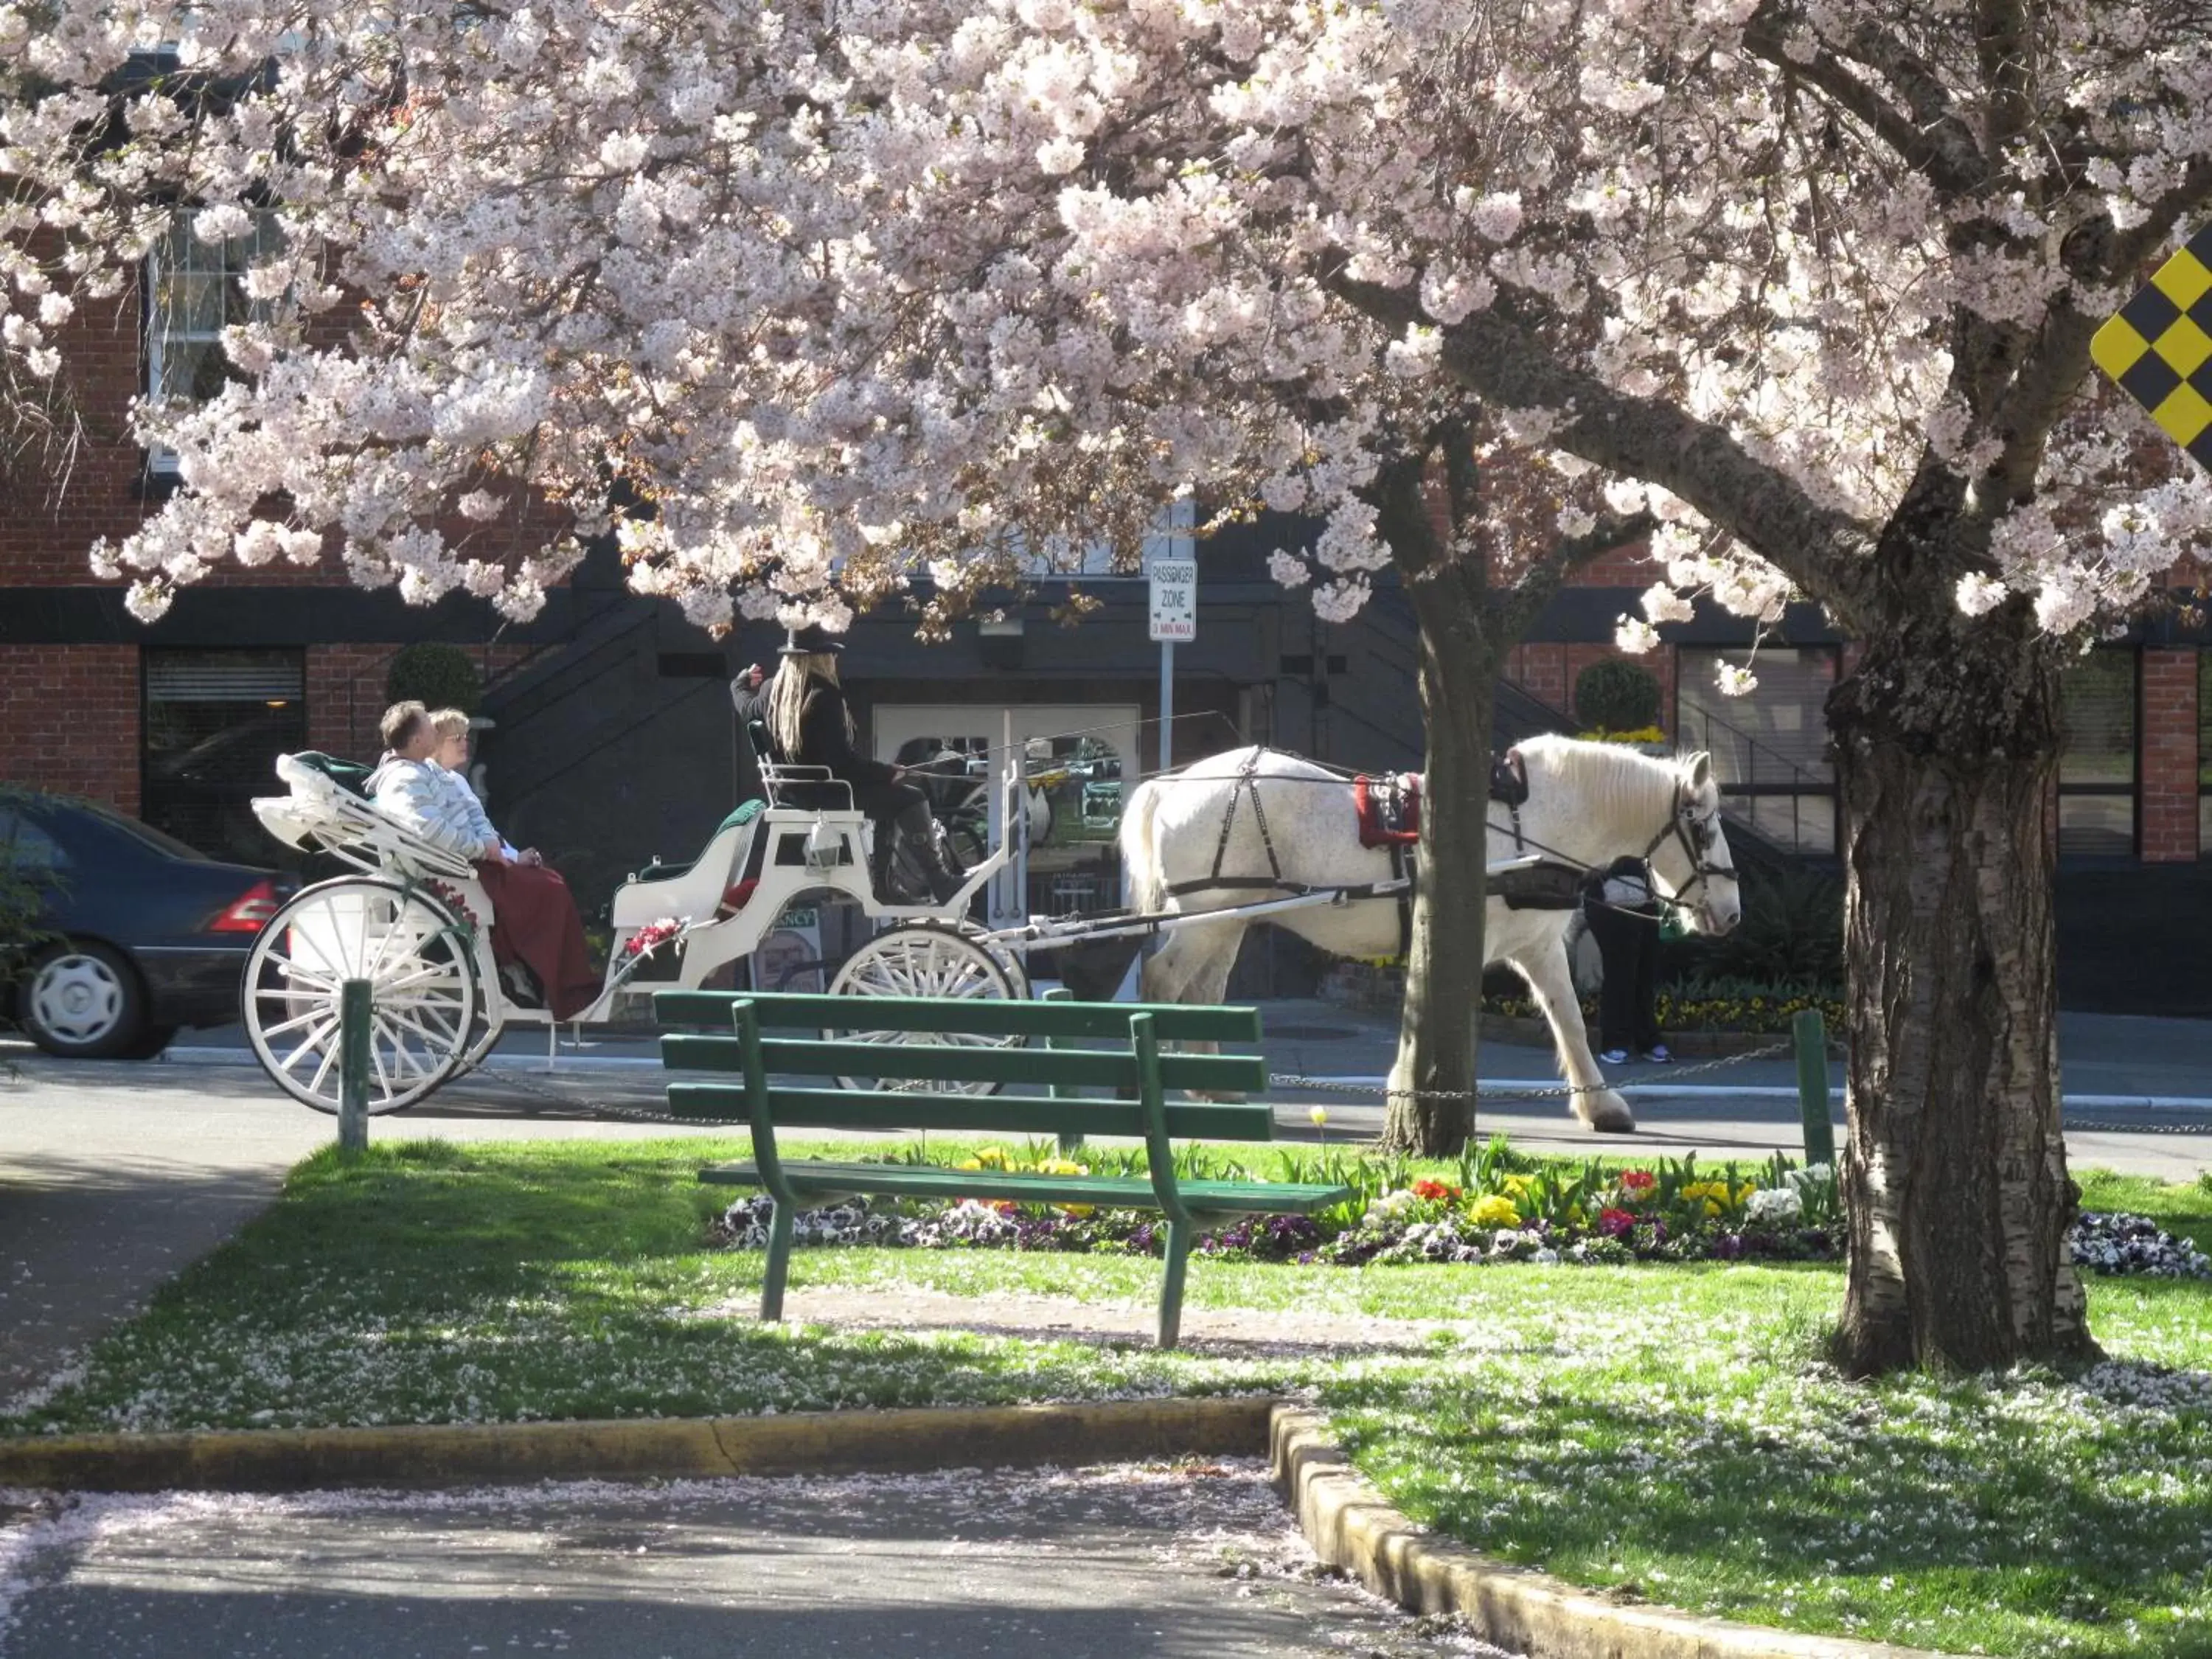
{"type": "Point", "coordinates": [326, 812]}
{"type": "Point", "coordinates": [694, 888]}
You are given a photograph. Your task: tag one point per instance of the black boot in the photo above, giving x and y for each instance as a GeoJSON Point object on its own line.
{"type": "Point", "coordinates": [919, 831]}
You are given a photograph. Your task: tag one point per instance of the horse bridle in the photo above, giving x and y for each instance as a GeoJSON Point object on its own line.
{"type": "Point", "coordinates": [1695, 833]}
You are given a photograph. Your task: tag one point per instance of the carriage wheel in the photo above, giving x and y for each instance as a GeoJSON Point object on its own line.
{"type": "Point", "coordinates": [929, 959]}
{"type": "Point", "coordinates": [416, 958]}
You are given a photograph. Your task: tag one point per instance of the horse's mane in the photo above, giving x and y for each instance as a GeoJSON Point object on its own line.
{"type": "Point", "coordinates": [1624, 784]}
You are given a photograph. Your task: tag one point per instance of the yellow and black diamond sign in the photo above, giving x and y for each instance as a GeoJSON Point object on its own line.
{"type": "Point", "coordinates": [2159, 348]}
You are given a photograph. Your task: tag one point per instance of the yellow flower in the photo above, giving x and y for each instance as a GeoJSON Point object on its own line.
{"type": "Point", "coordinates": [1061, 1166]}
{"type": "Point", "coordinates": [968, 1163]}
{"type": "Point", "coordinates": [1576, 1216]}
{"type": "Point", "coordinates": [1319, 1115]}
{"type": "Point", "coordinates": [1494, 1211]}
{"type": "Point", "coordinates": [1711, 1208]}
{"type": "Point", "coordinates": [1516, 1186]}
{"type": "Point", "coordinates": [991, 1158]}
{"type": "Point", "coordinates": [1077, 1211]}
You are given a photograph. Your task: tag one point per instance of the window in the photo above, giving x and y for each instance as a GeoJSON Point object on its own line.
{"type": "Point", "coordinates": [197, 289]}
{"type": "Point", "coordinates": [1770, 746]}
{"type": "Point", "coordinates": [26, 847]}
{"type": "Point", "coordinates": [2204, 754]}
{"type": "Point", "coordinates": [214, 723]}
{"type": "Point", "coordinates": [2097, 760]}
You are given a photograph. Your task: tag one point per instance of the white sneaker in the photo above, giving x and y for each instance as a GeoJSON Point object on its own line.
{"type": "Point", "coordinates": [1614, 1057]}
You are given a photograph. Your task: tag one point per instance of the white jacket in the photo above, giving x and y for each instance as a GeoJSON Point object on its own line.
{"type": "Point", "coordinates": [416, 796]}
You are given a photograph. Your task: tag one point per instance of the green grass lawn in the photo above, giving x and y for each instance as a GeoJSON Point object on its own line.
{"type": "Point", "coordinates": [1666, 1431]}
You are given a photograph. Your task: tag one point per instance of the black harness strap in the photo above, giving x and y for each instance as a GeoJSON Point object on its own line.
{"type": "Point", "coordinates": [1247, 778]}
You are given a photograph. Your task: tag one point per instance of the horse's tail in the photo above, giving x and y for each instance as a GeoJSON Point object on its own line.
{"type": "Point", "coordinates": [1141, 864]}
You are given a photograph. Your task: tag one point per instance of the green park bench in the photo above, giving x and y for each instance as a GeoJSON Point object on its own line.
{"type": "Point", "coordinates": [1135, 1073]}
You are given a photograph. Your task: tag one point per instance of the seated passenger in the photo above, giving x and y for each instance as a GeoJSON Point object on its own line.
{"type": "Point", "coordinates": [534, 915]}
{"type": "Point", "coordinates": [803, 706]}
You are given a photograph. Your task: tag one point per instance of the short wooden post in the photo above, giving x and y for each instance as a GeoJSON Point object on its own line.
{"type": "Point", "coordinates": [353, 1066]}
{"type": "Point", "coordinates": [1069, 1144]}
{"type": "Point", "coordinates": [1810, 1033]}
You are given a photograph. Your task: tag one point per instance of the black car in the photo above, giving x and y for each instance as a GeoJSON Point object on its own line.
{"type": "Point", "coordinates": [135, 933]}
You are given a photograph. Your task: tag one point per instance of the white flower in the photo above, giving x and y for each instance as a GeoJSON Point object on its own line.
{"type": "Point", "coordinates": [1779, 1205]}
{"type": "Point", "coordinates": [1635, 635]}
{"type": "Point", "coordinates": [1979, 594]}
{"type": "Point", "coordinates": [1733, 680]}
{"type": "Point", "coordinates": [1059, 156]}
{"type": "Point", "coordinates": [1662, 603]}
{"type": "Point", "coordinates": [1288, 568]}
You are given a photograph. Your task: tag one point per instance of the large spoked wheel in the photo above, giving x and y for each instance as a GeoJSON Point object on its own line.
{"type": "Point", "coordinates": [415, 954]}
{"type": "Point", "coordinates": [929, 959]}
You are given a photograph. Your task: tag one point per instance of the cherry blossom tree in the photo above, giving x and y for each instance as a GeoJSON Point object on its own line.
{"type": "Point", "coordinates": [852, 294]}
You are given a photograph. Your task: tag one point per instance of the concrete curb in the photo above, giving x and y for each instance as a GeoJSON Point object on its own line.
{"type": "Point", "coordinates": [818, 1443]}
{"type": "Point", "coordinates": [1352, 1525]}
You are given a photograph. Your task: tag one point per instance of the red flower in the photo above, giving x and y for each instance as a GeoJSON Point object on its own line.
{"type": "Point", "coordinates": [1637, 1180]}
{"type": "Point", "coordinates": [1434, 1190]}
{"type": "Point", "coordinates": [1615, 1222]}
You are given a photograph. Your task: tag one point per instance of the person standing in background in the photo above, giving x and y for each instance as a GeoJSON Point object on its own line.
{"type": "Point", "coordinates": [1623, 917]}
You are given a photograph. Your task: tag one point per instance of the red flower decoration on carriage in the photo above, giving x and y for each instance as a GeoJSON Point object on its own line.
{"type": "Point", "coordinates": [651, 936]}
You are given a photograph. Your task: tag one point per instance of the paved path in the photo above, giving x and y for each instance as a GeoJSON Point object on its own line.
{"type": "Point", "coordinates": [1115, 1562]}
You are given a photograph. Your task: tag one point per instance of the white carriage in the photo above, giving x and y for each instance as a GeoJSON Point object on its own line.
{"type": "Point", "coordinates": [414, 921]}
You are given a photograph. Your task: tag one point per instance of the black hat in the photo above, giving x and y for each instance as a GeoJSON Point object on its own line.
{"type": "Point", "coordinates": [812, 641]}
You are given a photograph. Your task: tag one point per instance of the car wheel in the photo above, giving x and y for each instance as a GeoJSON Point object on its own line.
{"type": "Point", "coordinates": [84, 1002]}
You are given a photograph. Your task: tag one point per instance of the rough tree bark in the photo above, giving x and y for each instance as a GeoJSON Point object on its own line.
{"type": "Point", "coordinates": [1468, 624]}
{"type": "Point", "coordinates": [1437, 1029]}
{"type": "Point", "coordinates": [1954, 1177]}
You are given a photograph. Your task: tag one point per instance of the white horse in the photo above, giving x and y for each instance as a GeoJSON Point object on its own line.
{"type": "Point", "coordinates": [1588, 804]}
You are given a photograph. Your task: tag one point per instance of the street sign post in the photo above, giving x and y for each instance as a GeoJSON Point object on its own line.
{"type": "Point", "coordinates": [2159, 347]}
{"type": "Point", "coordinates": [1175, 618]}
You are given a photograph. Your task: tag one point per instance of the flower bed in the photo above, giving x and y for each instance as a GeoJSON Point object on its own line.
{"type": "Point", "coordinates": [1670, 1212]}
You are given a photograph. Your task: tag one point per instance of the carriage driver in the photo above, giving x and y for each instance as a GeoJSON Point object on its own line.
{"type": "Point", "coordinates": [534, 919]}
{"type": "Point", "coordinates": [803, 706]}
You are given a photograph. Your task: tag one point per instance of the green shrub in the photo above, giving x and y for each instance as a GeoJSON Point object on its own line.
{"type": "Point", "coordinates": [1613, 695]}
{"type": "Point", "coordinates": [1792, 932]}
{"type": "Point", "coordinates": [436, 676]}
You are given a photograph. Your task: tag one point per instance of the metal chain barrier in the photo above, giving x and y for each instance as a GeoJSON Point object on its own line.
{"type": "Point", "coordinates": [1559, 1091]}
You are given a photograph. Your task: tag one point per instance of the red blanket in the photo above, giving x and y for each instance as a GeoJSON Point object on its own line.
{"type": "Point", "coordinates": [534, 918]}
{"type": "Point", "coordinates": [1389, 809]}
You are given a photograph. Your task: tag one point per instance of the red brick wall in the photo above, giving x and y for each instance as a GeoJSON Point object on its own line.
{"type": "Point", "coordinates": [2169, 757]}
{"type": "Point", "coordinates": [68, 720]}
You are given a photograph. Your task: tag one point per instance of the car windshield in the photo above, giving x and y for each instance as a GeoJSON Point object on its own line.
{"type": "Point", "coordinates": [145, 834]}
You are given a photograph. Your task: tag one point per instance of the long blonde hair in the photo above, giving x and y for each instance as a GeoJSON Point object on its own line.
{"type": "Point", "coordinates": [786, 699]}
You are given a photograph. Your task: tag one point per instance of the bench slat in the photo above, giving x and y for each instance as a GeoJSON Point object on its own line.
{"type": "Point", "coordinates": [945, 1062]}
{"type": "Point", "coordinates": [1036, 1115]}
{"type": "Point", "coordinates": [791, 1011]}
{"type": "Point", "coordinates": [1115, 1192]}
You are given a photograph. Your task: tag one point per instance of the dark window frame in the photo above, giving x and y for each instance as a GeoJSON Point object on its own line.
{"type": "Point", "coordinates": [2131, 790]}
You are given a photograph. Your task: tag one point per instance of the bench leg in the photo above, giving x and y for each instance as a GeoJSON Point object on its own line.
{"type": "Point", "coordinates": [1171, 1289]}
{"type": "Point", "coordinates": [779, 1263]}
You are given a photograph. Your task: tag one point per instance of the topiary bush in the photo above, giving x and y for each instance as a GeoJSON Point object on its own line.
{"type": "Point", "coordinates": [436, 676]}
{"type": "Point", "coordinates": [1613, 695]}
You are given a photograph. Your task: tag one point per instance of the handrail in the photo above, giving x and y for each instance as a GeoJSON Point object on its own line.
{"type": "Point", "coordinates": [1795, 785]}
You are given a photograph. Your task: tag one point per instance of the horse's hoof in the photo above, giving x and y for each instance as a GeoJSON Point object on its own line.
{"type": "Point", "coordinates": [1607, 1113]}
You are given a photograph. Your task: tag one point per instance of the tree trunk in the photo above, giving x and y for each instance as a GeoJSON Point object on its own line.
{"type": "Point", "coordinates": [1438, 1025]}
{"type": "Point", "coordinates": [1955, 1179]}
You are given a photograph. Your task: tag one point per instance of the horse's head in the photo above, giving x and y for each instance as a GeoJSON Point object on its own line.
{"type": "Point", "coordinates": [1690, 855]}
